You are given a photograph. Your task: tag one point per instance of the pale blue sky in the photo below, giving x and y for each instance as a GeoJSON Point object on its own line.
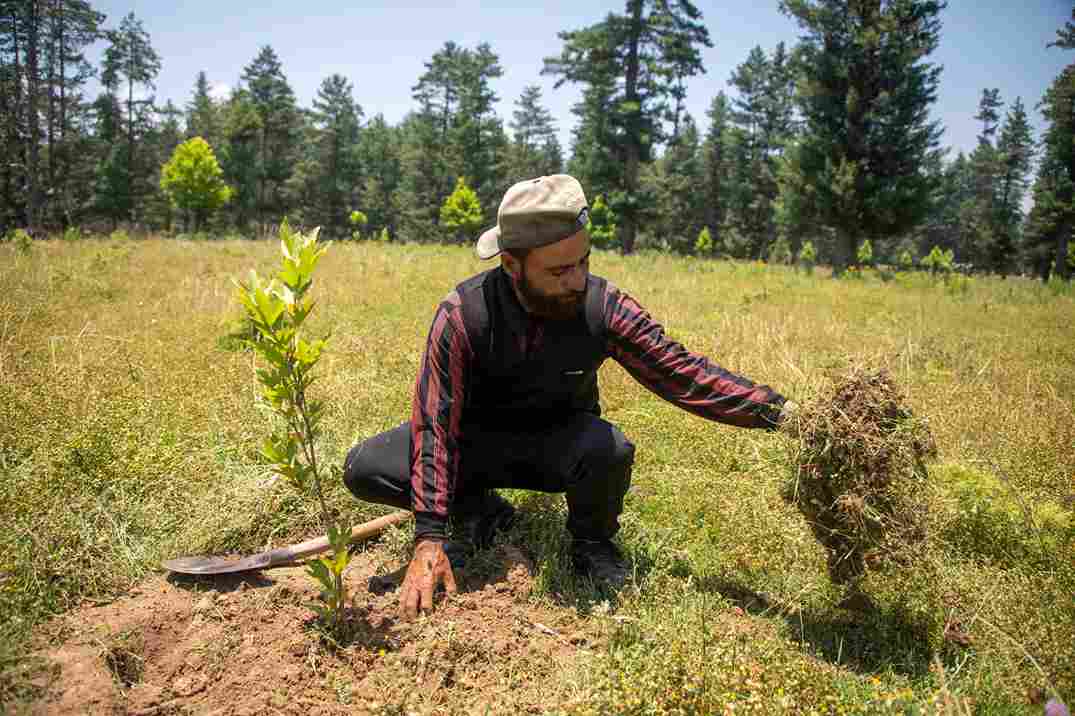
{"type": "Point", "coordinates": [380, 47]}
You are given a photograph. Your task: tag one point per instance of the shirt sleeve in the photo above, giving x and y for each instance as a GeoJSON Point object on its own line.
{"type": "Point", "coordinates": [687, 380]}
{"type": "Point", "coordinates": [439, 394]}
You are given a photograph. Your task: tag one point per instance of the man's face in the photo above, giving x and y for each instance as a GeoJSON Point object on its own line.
{"type": "Point", "coordinates": [552, 282]}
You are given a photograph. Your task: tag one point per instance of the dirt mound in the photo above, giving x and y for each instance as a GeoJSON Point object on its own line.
{"type": "Point", "coordinates": [245, 644]}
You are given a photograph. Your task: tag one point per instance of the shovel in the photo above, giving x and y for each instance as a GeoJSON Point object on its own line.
{"type": "Point", "coordinates": [280, 556]}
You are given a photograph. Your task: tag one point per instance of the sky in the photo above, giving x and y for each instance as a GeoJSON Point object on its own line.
{"type": "Point", "coordinates": [381, 48]}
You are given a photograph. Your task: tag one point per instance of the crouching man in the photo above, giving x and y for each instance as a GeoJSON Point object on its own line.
{"type": "Point", "coordinates": [506, 396]}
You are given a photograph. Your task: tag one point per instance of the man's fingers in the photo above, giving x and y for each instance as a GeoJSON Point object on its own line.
{"type": "Point", "coordinates": [410, 600]}
{"type": "Point", "coordinates": [427, 591]}
{"type": "Point", "coordinates": [449, 581]}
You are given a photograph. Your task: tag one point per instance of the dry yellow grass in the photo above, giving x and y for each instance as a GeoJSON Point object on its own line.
{"type": "Point", "coordinates": [128, 433]}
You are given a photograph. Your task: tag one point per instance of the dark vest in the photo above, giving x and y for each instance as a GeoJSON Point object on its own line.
{"type": "Point", "coordinates": [511, 391]}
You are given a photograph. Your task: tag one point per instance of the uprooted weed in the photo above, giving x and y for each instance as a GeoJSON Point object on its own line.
{"type": "Point", "coordinates": [860, 470]}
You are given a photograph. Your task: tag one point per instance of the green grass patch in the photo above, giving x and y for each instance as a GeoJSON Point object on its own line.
{"type": "Point", "coordinates": [131, 427]}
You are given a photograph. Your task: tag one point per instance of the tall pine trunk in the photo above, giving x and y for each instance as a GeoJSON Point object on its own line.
{"type": "Point", "coordinates": [32, 77]}
{"type": "Point", "coordinates": [63, 160]}
{"type": "Point", "coordinates": [7, 110]}
{"type": "Point", "coordinates": [1063, 240]}
{"type": "Point", "coordinates": [629, 226]}
{"type": "Point", "coordinates": [130, 142]}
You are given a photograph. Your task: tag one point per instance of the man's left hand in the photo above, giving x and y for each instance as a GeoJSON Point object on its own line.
{"type": "Point", "coordinates": [428, 569]}
{"type": "Point", "coordinates": [789, 419]}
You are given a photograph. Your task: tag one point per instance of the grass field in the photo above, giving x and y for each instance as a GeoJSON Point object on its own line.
{"type": "Point", "coordinates": [129, 429]}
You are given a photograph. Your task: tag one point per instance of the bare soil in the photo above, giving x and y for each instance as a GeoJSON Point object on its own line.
{"type": "Point", "coordinates": [246, 644]}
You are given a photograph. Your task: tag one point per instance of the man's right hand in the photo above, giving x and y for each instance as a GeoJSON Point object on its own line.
{"type": "Point", "coordinates": [428, 569]}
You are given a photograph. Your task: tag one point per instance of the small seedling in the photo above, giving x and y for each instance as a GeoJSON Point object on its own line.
{"type": "Point", "coordinates": [23, 241]}
{"type": "Point", "coordinates": [277, 311]}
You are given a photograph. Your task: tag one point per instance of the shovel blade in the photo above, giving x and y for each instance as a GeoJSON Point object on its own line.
{"type": "Point", "coordinates": [217, 565]}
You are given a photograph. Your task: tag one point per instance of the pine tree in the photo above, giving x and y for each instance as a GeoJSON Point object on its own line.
{"type": "Point", "coordinates": [161, 140]}
{"type": "Point", "coordinates": [716, 182]}
{"type": "Point", "coordinates": [130, 58]}
{"type": "Point", "coordinates": [597, 140]}
{"type": "Point", "coordinates": [42, 70]}
{"type": "Point", "coordinates": [648, 48]}
{"type": "Point", "coordinates": [1015, 152]}
{"type": "Point", "coordinates": [273, 100]}
{"type": "Point", "coordinates": [761, 115]}
{"type": "Point", "coordinates": [944, 226]}
{"type": "Point", "coordinates": [478, 139]}
{"type": "Point", "coordinates": [110, 186]}
{"type": "Point", "coordinates": [438, 94]}
{"type": "Point", "coordinates": [204, 115]}
{"type": "Point", "coordinates": [535, 147]}
{"type": "Point", "coordinates": [677, 212]}
{"type": "Point", "coordinates": [1054, 189]}
{"type": "Point", "coordinates": [241, 128]}
{"type": "Point", "coordinates": [423, 169]}
{"type": "Point", "coordinates": [978, 217]}
{"type": "Point", "coordinates": [865, 94]}
{"type": "Point", "coordinates": [379, 156]}
{"type": "Point", "coordinates": [336, 118]}
{"type": "Point", "coordinates": [72, 26]}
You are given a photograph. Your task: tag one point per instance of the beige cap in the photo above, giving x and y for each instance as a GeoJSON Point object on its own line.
{"type": "Point", "coordinates": [534, 213]}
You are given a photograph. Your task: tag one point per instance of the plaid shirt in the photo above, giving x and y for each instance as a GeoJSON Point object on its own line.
{"type": "Point", "coordinates": [632, 338]}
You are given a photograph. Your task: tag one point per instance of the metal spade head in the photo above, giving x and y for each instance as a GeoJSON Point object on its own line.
{"type": "Point", "coordinates": [218, 565]}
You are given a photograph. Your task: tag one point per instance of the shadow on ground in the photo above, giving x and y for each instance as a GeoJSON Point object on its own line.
{"type": "Point", "coordinates": [857, 633]}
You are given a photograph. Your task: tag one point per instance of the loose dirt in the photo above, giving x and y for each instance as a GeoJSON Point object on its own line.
{"type": "Point", "coordinates": [246, 644]}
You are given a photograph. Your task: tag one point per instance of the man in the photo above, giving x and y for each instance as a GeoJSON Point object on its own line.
{"type": "Point", "coordinates": [506, 396]}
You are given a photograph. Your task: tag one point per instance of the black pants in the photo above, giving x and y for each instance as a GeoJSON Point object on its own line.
{"type": "Point", "coordinates": [587, 458]}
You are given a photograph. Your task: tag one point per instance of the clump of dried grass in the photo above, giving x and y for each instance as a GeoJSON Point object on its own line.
{"type": "Point", "coordinates": [860, 473]}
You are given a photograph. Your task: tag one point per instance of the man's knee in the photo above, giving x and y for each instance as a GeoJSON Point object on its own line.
{"type": "Point", "coordinates": [356, 469]}
{"type": "Point", "coordinates": [607, 447]}
{"type": "Point", "coordinates": [374, 472]}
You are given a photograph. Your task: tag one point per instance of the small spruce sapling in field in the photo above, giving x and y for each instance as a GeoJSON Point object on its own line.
{"type": "Point", "coordinates": [864, 255]}
{"type": "Point", "coordinates": [358, 221]}
{"type": "Point", "coordinates": [780, 252]}
{"type": "Point", "coordinates": [906, 260]}
{"type": "Point", "coordinates": [22, 240]}
{"type": "Point", "coordinates": [277, 311]}
{"type": "Point", "coordinates": [704, 244]}
{"type": "Point", "coordinates": [808, 257]}
{"type": "Point", "coordinates": [939, 261]}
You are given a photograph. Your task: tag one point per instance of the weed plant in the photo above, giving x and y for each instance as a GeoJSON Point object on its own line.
{"type": "Point", "coordinates": [860, 473]}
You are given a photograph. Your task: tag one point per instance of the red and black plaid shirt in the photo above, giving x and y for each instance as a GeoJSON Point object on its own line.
{"type": "Point", "coordinates": [633, 339]}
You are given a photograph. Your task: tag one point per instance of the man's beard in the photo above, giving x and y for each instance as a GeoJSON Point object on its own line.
{"type": "Point", "coordinates": [556, 308]}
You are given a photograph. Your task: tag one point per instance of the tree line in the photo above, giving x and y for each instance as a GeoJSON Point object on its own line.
{"type": "Point", "coordinates": [827, 142]}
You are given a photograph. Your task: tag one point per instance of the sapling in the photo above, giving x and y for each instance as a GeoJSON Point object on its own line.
{"type": "Point", "coordinates": [277, 311]}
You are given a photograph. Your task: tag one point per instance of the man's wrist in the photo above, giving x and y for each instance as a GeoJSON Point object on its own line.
{"type": "Point", "coordinates": [428, 525]}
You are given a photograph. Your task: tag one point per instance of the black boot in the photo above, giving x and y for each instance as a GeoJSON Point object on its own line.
{"type": "Point", "coordinates": [600, 560]}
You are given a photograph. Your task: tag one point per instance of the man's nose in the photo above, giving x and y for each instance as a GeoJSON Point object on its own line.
{"type": "Point", "coordinates": [576, 279]}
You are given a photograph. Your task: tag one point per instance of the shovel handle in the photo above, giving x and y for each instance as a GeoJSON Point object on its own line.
{"type": "Point", "coordinates": [321, 544]}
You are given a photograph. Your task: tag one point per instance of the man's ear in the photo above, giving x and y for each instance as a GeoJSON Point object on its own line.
{"type": "Point", "coordinates": [511, 265]}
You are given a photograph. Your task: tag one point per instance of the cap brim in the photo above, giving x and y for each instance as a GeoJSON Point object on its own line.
{"type": "Point", "coordinates": [488, 244]}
